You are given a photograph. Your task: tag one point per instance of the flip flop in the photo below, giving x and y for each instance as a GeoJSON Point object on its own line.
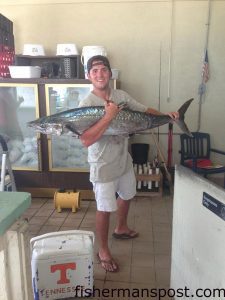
{"type": "Point", "coordinates": [108, 264]}
{"type": "Point", "coordinates": [126, 235]}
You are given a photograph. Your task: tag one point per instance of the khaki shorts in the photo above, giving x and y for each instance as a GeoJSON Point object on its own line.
{"type": "Point", "coordinates": [105, 193]}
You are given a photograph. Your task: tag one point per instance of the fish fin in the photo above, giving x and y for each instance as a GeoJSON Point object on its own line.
{"type": "Point", "coordinates": [71, 128]}
{"type": "Point", "coordinates": [180, 122]}
{"type": "Point", "coordinates": [183, 127]}
{"type": "Point", "coordinates": [184, 107]}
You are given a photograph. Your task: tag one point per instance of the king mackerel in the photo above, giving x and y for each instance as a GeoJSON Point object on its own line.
{"type": "Point", "coordinates": [77, 120]}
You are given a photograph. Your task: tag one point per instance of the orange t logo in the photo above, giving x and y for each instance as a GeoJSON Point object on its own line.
{"type": "Point", "coordinates": [62, 268]}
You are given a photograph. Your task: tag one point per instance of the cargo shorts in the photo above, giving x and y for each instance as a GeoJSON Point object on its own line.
{"type": "Point", "coordinates": [105, 193]}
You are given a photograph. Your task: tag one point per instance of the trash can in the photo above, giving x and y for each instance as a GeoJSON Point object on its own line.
{"type": "Point", "coordinates": [139, 152]}
{"type": "Point", "coordinates": [62, 264]}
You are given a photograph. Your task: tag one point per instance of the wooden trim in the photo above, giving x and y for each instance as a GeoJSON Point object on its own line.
{"type": "Point", "coordinates": [87, 194]}
{"type": "Point", "coordinates": [39, 192]}
{"type": "Point", "coordinates": [146, 177]}
{"type": "Point", "coordinates": [49, 193]}
{"type": "Point", "coordinates": [149, 194]}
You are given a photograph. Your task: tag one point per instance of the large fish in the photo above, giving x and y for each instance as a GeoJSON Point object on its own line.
{"type": "Point", "coordinates": [77, 120]}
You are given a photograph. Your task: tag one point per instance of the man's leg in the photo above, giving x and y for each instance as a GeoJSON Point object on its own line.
{"type": "Point", "coordinates": [122, 228]}
{"type": "Point", "coordinates": [126, 190]}
{"type": "Point", "coordinates": [122, 214]}
{"type": "Point", "coordinates": [102, 229]}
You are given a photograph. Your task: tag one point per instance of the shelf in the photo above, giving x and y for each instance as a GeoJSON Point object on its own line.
{"type": "Point", "coordinates": [66, 67]}
{"type": "Point", "coordinates": [114, 83]}
{"type": "Point", "coordinates": [146, 177]}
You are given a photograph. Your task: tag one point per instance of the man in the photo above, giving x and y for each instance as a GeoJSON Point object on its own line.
{"type": "Point", "coordinates": [111, 168]}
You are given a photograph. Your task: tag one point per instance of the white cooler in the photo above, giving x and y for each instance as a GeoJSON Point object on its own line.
{"type": "Point", "coordinates": [62, 264]}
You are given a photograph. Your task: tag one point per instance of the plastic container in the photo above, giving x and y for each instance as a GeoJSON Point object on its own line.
{"type": "Point", "coordinates": [88, 52]}
{"type": "Point", "coordinates": [139, 153]}
{"type": "Point", "coordinates": [25, 71]}
{"type": "Point", "coordinates": [33, 50]}
{"type": "Point", "coordinates": [66, 49]}
{"type": "Point", "coordinates": [115, 73]}
{"type": "Point", "coordinates": [62, 264]}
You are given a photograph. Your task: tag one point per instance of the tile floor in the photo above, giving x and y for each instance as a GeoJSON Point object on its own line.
{"type": "Point", "coordinates": [144, 261]}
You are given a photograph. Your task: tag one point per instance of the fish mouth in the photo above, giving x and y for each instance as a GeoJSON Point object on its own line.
{"type": "Point", "coordinates": [37, 128]}
{"type": "Point", "coordinates": [33, 125]}
{"type": "Point", "coordinates": [55, 129]}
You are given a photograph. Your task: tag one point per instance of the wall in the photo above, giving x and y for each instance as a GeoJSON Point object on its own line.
{"type": "Point", "coordinates": [157, 45]}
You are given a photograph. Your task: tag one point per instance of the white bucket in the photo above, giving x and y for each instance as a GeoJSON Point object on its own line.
{"type": "Point", "coordinates": [66, 49]}
{"type": "Point", "coordinates": [33, 50]}
{"type": "Point", "coordinates": [88, 52]}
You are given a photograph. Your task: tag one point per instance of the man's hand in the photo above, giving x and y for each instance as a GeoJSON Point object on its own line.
{"type": "Point", "coordinates": [111, 110]}
{"type": "Point", "coordinates": [95, 132]}
{"type": "Point", "coordinates": [173, 115]}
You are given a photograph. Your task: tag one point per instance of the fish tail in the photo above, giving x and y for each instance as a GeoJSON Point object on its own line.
{"type": "Point", "coordinates": [180, 122]}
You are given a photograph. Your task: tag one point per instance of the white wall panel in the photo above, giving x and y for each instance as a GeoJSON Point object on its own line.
{"type": "Point", "coordinates": [198, 237]}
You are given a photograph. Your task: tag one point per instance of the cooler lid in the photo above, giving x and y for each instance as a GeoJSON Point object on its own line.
{"type": "Point", "coordinates": [74, 242]}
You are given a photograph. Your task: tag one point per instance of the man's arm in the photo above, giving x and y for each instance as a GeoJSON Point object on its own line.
{"type": "Point", "coordinates": [153, 111]}
{"type": "Point", "coordinates": [95, 132]}
{"type": "Point", "coordinates": [174, 115]}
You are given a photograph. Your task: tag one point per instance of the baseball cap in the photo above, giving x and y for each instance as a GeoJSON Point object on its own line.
{"type": "Point", "coordinates": [98, 60]}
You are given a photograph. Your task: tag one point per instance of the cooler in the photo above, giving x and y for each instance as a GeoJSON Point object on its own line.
{"type": "Point", "coordinates": [62, 264]}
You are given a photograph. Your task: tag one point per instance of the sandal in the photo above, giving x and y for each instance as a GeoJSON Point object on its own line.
{"type": "Point", "coordinates": [126, 235]}
{"type": "Point", "coordinates": [108, 264]}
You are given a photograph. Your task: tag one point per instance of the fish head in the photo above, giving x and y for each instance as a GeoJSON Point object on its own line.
{"type": "Point", "coordinates": [46, 126]}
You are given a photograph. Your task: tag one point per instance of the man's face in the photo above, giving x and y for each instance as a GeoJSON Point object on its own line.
{"type": "Point", "coordinates": [99, 75]}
